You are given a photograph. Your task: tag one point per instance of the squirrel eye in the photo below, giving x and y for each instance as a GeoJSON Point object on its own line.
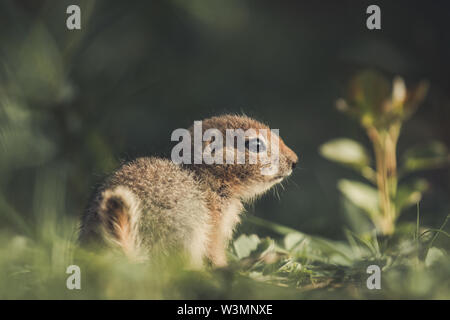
{"type": "Point", "coordinates": [255, 145]}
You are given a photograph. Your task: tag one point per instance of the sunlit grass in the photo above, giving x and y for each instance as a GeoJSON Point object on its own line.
{"type": "Point", "coordinates": [293, 266]}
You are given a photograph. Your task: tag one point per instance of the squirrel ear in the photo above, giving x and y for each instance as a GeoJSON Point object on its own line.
{"type": "Point", "coordinates": [119, 213]}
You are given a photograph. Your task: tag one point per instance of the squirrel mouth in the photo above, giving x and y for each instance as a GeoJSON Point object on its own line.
{"type": "Point", "coordinates": [279, 177]}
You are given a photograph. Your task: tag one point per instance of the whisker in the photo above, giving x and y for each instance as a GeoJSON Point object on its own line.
{"type": "Point", "coordinates": [278, 194]}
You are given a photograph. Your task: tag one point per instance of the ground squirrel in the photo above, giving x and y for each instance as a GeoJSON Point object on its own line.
{"type": "Point", "coordinates": [154, 204]}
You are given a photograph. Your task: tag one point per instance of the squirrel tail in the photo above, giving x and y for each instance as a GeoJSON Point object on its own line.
{"type": "Point", "coordinates": [119, 214]}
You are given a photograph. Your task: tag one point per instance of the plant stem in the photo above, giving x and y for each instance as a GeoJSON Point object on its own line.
{"type": "Point", "coordinates": [385, 147]}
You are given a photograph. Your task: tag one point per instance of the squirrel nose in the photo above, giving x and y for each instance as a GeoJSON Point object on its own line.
{"type": "Point", "coordinates": [294, 164]}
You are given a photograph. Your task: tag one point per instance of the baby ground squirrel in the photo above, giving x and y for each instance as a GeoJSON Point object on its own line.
{"type": "Point", "coordinates": [152, 204]}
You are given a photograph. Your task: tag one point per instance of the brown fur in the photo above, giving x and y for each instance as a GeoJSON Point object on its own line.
{"type": "Point", "coordinates": [152, 204]}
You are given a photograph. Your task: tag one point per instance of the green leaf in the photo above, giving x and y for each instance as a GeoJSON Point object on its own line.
{"type": "Point", "coordinates": [365, 244]}
{"type": "Point", "coordinates": [292, 240]}
{"type": "Point", "coordinates": [432, 155]}
{"type": "Point", "coordinates": [316, 247]}
{"type": "Point", "coordinates": [269, 225]}
{"type": "Point", "coordinates": [410, 194]}
{"type": "Point", "coordinates": [362, 195]}
{"type": "Point", "coordinates": [345, 151]}
{"type": "Point", "coordinates": [433, 255]}
{"type": "Point", "coordinates": [357, 219]}
{"type": "Point", "coordinates": [244, 245]}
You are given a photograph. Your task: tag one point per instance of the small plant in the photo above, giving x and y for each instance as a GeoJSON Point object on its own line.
{"type": "Point", "coordinates": [382, 109]}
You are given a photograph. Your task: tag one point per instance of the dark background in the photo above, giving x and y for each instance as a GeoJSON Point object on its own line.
{"type": "Point", "coordinates": [84, 101]}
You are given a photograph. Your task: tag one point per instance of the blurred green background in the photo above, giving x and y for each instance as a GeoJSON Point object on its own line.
{"type": "Point", "coordinates": [75, 104]}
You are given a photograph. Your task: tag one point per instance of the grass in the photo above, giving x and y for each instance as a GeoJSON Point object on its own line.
{"type": "Point", "coordinates": [414, 262]}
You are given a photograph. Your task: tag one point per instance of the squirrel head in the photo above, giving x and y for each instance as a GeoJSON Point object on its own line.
{"type": "Point", "coordinates": [241, 157]}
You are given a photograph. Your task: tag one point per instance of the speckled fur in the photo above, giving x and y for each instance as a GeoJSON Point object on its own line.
{"type": "Point", "coordinates": [190, 207]}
